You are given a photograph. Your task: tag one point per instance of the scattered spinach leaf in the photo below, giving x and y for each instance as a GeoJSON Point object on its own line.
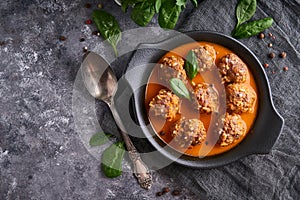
{"type": "Point", "coordinates": [168, 14]}
{"type": "Point", "coordinates": [245, 10]}
{"type": "Point", "coordinates": [191, 65]}
{"type": "Point", "coordinates": [99, 138]}
{"type": "Point", "coordinates": [112, 159]}
{"type": "Point", "coordinates": [108, 27]}
{"type": "Point", "coordinates": [179, 88]}
{"type": "Point", "coordinates": [157, 5]}
{"type": "Point", "coordinates": [252, 28]}
{"type": "Point", "coordinates": [195, 3]}
{"type": "Point", "coordinates": [143, 12]}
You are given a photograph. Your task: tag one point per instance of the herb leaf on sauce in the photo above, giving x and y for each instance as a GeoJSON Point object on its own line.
{"type": "Point", "coordinates": [112, 159]}
{"type": "Point", "coordinates": [179, 88]}
{"type": "Point", "coordinates": [245, 10]}
{"type": "Point", "coordinates": [191, 65]}
{"type": "Point", "coordinates": [252, 28]}
{"type": "Point", "coordinates": [108, 27]}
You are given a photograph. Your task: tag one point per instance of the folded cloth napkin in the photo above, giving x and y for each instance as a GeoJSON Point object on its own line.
{"type": "Point", "coordinates": [277, 174]}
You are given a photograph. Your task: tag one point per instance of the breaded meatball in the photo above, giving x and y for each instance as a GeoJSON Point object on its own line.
{"type": "Point", "coordinates": [207, 97]}
{"type": "Point", "coordinates": [240, 98]}
{"type": "Point", "coordinates": [172, 67]}
{"type": "Point", "coordinates": [232, 69]}
{"type": "Point", "coordinates": [188, 132]}
{"type": "Point", "coordinates": [165, 104]}
{"type": "Point", "coordinates": [206, 56]}
{"type": "Point", "coordinates": [234, 127]}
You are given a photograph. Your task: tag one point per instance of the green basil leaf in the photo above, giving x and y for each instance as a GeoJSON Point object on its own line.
{"type": "Point", "coordinates": [99, 138]}
{"type": "Point", "coordinates": [169, 14]}
{"type": "Point", "coordinates": [191, 65]}
{"type": "Point", "coordinates": [179, 88]}
{"type": "Point", "coordinates": [252, 28]}
{"type": "Point", "coordinates": [108, 27]}
{"type": "Point", "coordinates": [245, 10]}
{"type": "Point", "coordinates": [157, 5]}
{"type": "Point", "coordinates": [112, 159]}
{"type": "Point", "coordinates": [195, 3]}
{"type": "Point", "coordinates": [143, 12]}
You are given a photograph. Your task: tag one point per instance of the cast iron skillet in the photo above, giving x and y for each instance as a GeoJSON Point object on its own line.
{"type": "Point", "coordinates": [268, 123]}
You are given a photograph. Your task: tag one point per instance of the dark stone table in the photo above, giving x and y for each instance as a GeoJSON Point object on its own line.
{"type": "Point", "coordinates": [44, 151]}
{"type": "Point", "coordinates": [41, 155]}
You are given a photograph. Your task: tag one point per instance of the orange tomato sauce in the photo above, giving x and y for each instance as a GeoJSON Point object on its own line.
{"type": "Point", "coordinates": [187, 111]}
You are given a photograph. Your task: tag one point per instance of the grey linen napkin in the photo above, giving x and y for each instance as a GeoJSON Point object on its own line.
{"type": "Point", "coordinates": [277, 174]}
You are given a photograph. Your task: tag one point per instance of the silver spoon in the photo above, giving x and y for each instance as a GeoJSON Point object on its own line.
{"type": "Point", "coordinates": [101, 82]}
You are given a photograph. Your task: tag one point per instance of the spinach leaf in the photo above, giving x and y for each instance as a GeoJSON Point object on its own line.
{"type": "Point", "coordinates": [169, 14]}
{"type": "Point", "coordinates": [179, 88]}
{"type": "Point", "coordinates": [245, 10]}
{"type": "Point", "coordinates": [157, 5]}
{"type": "Point", "coordinates": [99, 139]}
{"type": "Point", "coordinates": [108, 27]}
{"type": "Point", "coordinates": [143, 12]}
{"type": "Point", "coordinates": [181, 3]}
{"type": "Point", "coordinates": [112, 160]}
{"type": "Point", "coordinates": [252, 28]}
{"type": "Point", "coordinates": [191, 65]}
{"type": "Point", "coordinates": [195, 3]}
{"type": "Point", "coordinates": [126, 3]}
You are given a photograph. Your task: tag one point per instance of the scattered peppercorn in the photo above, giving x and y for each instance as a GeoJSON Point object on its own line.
{"type": "Point", "coordinates": [282, 55]}
{"type": "Point", "coordinates": [88, 21]}
{"type": "Point", "coordinates": [29, 177]}
{"type": "Point", "coordinates": [94, 32]}
{"type": "Point", "coordinates": [87, 5]}
{"type": "Point", "coordinates": [62, 38]}
{"type": "Point", "coordinates": [266, 65]}
{"type": "Point", "coordinates": [270, 34]}
{"type": "Point", "coordinates": [162, 133]}
{"type": "Point", "coordinates": [273, 72]}
{"type": "Point", "coordinates": [285, 68]}
{"type": "Point", "coordinates": [271, 55]}
{"type": "Point", "coordinates": [270, 45]}
{"type": "Point", "coordinates": [85, 49]}
{"type": "Point", "coordinates": [82, 40]}
{"type": "Point", "coordinates": [176, 192]}
{"type": "Point", "coordinates": [2, 43]}
{"type": "Point", "coordinates": [159, 194]}
{"type": "Point", "coordinates": [165, 190]}
{"type": "Point", "coordinates": [273, 37]}
{"type": "Point", "coordinates": [100, 5]}
{"type": "Point", "coordinates": [261, 36]}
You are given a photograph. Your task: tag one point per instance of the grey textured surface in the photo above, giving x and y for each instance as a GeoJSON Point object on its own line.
{"type": "Point", "coordinates": [43, 157]}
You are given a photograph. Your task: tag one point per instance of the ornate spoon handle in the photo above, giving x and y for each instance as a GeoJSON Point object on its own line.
{"type": "Point", "coordinates": [140, 169]}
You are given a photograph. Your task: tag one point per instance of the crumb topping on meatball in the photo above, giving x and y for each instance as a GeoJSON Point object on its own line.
{"type": "Point", "coordinates": [234, 127]}
{"type": "Point", "coordinates": [232, 69]}
{"type": "Point", "coordinates": [206, 56]}
{"type": "Point", "coordinates": [207, 97]}
{"type": "Point", "coordinates": [165, 104]}
{"type": "Point", "coordinates": [173, 67]}
{"type": "Point", "coordinates": [240, 98]}
{"type": "Point", "coordinates": [188, 132]}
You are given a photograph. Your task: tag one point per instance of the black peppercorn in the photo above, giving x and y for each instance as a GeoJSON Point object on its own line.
{"type": "Point", "coordinates": [271, 55]}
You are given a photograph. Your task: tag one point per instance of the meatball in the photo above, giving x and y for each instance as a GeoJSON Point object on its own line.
{"type": "Point", "coordinates": [232, 69]}
{"type": "Point", "coordinates": [165, 104]}
{"type": "Point", "coordinates": [172, 67]}
{"type": "Point", "coordinates": [188, 132]}
{"type": "Point", "coordinates": [240, 98]}
{"type": "Point", "coordinates": [206, 56]}
{"type": "Point", "coordinates": [207, 97]}
{"type": "Point", "coordinates": [234, 127]}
